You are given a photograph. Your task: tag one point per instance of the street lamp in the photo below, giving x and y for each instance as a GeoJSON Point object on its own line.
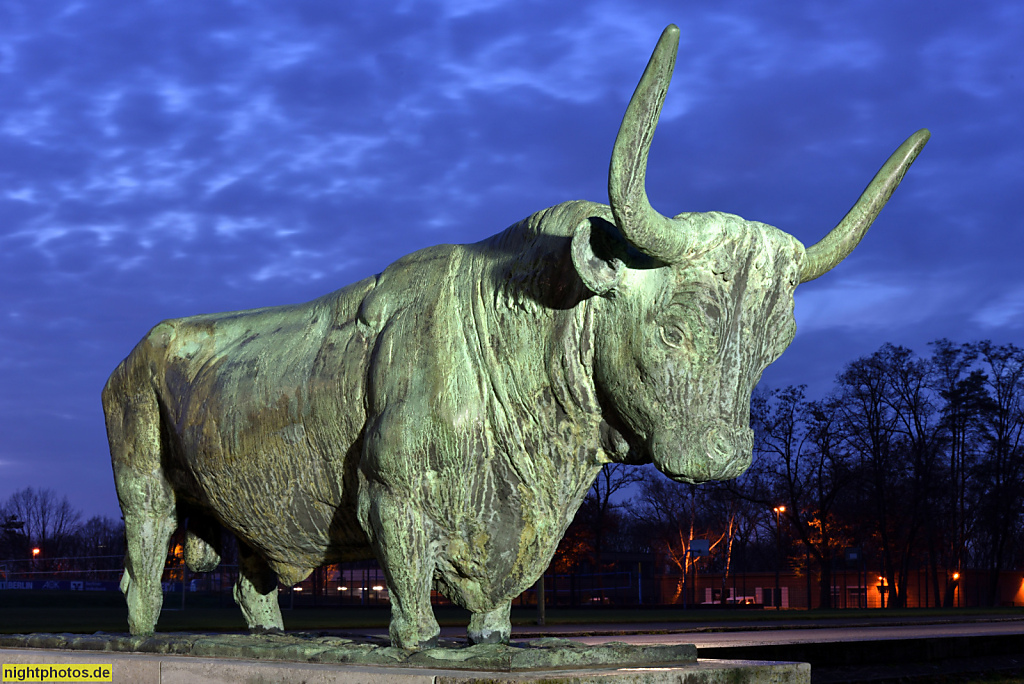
{"type": "Point", "coordinates": [777, 598]}
{"type": "Point", "coordinates": [34, 565]}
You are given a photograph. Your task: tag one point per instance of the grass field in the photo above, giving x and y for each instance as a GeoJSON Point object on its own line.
{"type": "Point", "coordinates": [88, 612]}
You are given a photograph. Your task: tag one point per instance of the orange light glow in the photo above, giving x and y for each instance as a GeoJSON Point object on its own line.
{"type": "Point", "coordinates": [35, 552]}
{"type": "Point", "coordinates": [956, 575]}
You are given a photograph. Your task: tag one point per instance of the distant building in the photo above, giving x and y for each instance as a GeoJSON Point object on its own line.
{"type": "Point", "coordinates": [850, 589]}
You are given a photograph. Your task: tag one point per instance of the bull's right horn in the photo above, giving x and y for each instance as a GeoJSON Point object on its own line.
{"type": "Point", "coordinates": [837, 245]}
{"type": "Point", "coordinates": [647, 230]}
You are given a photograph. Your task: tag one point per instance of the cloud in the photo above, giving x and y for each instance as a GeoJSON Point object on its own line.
{"type": "Point", "coordinates": [971, 56]}
{"type": "Point", "coordinates": [161, 159]}
{"type": "Point", "coordinates": [862, 304]}
{"type": "Point", "coordinates": [1004, 311]}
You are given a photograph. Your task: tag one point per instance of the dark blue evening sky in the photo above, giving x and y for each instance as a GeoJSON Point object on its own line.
{"type": "Point", "coordinates": [161, 159]}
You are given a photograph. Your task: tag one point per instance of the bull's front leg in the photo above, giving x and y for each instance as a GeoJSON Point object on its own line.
{"type": "Point", "coordinates": [491, 627]}
{"type": "Point", "coordinates": [401, 539]}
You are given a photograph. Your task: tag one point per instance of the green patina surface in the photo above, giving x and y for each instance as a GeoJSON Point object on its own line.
{"type": "Point", "coordinates": [448, 415]}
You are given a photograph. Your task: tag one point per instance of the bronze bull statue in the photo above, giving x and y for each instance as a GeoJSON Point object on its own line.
{"type": "Point", "coordinates": [448, 415]}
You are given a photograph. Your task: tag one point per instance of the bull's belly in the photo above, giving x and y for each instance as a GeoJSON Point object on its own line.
{"type": "Point", "coordinates": [293, 505]}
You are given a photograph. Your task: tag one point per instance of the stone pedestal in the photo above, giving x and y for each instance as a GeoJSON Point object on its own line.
{"type": "Point", "coordinates": [161, 669]}
{"type": "Point", "coordinates": [330, 659]}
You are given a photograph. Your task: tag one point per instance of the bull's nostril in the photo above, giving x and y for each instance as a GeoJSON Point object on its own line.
{"type": "Point", "coordinates": [719, 444]}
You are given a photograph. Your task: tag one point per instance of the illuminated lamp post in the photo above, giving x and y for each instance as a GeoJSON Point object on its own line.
{"type": "Point", "coordinates": [777, 598]}
{"type": "Point", "coordinates": [35, 562]}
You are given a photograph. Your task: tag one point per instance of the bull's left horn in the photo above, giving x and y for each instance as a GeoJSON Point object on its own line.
{"type": "Point", "coordinates": [823, 256]}
{"type": "Point", "coordinates": [646, 229]}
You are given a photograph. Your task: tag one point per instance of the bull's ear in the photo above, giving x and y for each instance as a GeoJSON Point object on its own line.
{"type": "Point", "coordinates": [600, 272]}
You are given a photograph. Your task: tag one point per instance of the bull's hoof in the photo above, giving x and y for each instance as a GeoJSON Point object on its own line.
{"type": "Point", "coordinates": [259, 630]}
{"type": "Point", "coordinates": [491, 627]}
{"type": "Point", "coordinates": [413, 642]}
{"type": "Point", "coordinates": [488, 637]}
{"type": "Point", "coordinates": [413, 646]}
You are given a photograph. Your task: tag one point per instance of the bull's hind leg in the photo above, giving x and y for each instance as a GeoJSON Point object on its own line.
{"type": "Point", "coordinates": [147, 500]}
{"type": "Point", "coordinates": [256, 592]}
{"type": "Point", "coordinates": [399, 534]}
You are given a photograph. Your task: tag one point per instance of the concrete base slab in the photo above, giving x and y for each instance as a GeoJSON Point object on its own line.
{"type": "Point", "coordinates": [156, 669]}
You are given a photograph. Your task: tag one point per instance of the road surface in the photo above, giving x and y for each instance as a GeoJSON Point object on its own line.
{"type": "Point", "coordinates": [763, 636]}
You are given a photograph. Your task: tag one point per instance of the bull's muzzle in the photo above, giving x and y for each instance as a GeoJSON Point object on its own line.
{"type": "Point", "coordinates": [703, 452]}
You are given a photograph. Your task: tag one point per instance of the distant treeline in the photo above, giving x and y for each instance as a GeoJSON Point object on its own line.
{"type": "Point", "coordinates": [915, 462]}
{"type": "Point", "coordinates": [37, 519]}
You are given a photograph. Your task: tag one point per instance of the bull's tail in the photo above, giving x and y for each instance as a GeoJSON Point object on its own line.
{"type": "Point", "coordinates": [147, 498]}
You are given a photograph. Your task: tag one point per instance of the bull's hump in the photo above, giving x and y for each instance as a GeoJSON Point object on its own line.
{"type": "Point", "coordinates": [414, 280]}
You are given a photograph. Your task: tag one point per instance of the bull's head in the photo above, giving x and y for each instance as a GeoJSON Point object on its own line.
{"type": "Point", "coordinates": [696, 306]}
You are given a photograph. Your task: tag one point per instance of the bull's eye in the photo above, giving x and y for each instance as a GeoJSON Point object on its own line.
{"type": "Point", "coordinates": [672, 335]}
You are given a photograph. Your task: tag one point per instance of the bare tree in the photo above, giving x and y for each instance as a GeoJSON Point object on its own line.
{"type": "Point", "coordinates": [875, 428]}
{"type": "Point", "coordinates": [49, 523]}
{"type": "Point", "coordinates": [998, 478]}
{"type": "Point", "coordinates": [101, 536]}
{"type": "Point", "coordinates": [965, 405]}
{"type": "Point", "coordinates": [604, 502]}
{"type": "Point", "coordinates": [671, 514]}
{"type": "Point", "coordinates": [803, 468]}
{"type": "Point", "coordinates": [921, 437]}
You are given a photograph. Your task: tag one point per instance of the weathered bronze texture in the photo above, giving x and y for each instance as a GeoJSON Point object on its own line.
{"type": "Point", "coordinates": [449, 414]}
